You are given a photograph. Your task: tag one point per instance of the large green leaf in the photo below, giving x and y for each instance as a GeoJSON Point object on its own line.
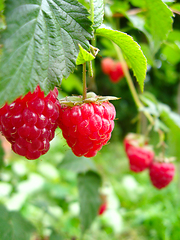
{"type": "Point", "coordinates": [88, 185]}
{"type": "Point", "coordinates": [131, 50]}
{"type": "Point", "coordinates": [13, 226]}
{"type": "Point", "coordinates": [97, 12]}
{"type": "Point", "coordinates": [40, 44]}
{"type": "Point", "coordinates": [159, 21]}
{"type": "Point", "coordinates": [77, 164]}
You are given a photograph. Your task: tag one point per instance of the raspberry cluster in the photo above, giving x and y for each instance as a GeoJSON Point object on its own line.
{"type": "Point", "coordinates": [29, 123]}
{"type": "Point", "coordinates": [87, 127]}
{"type": "Point", "coordinates": [113, 69]}
{"type": "Point", "coordinates": [141, 157]}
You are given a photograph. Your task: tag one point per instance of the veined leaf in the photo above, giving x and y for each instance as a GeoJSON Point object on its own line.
{"type": "Point", "coordinates": [159, 22]}
{"type": "Point", "coordinates": [97, 8]}
{"type": "Point", "coordinates": [40, 44]}
{"type": "Point", "coordinates": [131, 50]}
{"type": "Point", "coordinates": [88, 185]}
{"type": "Point", "coordinates": [83, 56]}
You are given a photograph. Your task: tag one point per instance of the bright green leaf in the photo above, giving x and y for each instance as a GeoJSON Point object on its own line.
{"type": "Point", "coordinates": [83, 56]}
{"type": "Point", "coordinates": [97, 8]}
{"type": "Point", "coordinates": [131, 50]}
{"type": "Point", "coordinates": [77, 164]}
{"type": "Point", "coordinates": [40, 44]}
{"type": "Point", "coordinates": [159, 21]}
{"type": "Point", "coordinates": [88, 185]}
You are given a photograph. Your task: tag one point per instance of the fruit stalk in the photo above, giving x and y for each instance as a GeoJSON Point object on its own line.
{"type": "Point", "coordinates": [84, 81]}
{"type": "Point", "coordinates": [131, 85]}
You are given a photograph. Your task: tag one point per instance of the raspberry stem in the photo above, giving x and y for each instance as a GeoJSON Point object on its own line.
{"type": "Point", "coordinates": [84, 81]}
{"type": "Point", "coordinates": [131, 85]}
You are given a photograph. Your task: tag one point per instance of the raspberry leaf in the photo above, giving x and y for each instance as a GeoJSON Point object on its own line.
{"type": "Point", "coordinates": [83, 56]}
{"type": "Point", "coordinates": [14, 226]}
{"type": "Point", "coordinates": [88, 185]}
{"type": "Point", "coordinates": [40, 44]}
{"type": "Point", "coordinates": [159, 22]}
{"type": "Point", "coordinates": [97, 13]}
{"type": "Point", "coordinates": [77, 164]}
{"type": "Point", "coordinates": [131, 50]}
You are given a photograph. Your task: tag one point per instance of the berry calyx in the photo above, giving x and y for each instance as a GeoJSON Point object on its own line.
{"type": "Point", "coordinates": [29, 122]}
{"type": "Point", "coordinates": [140, 155]}
{"type": "Point", "coordinates": [86, 124]}
{"type": "Point", "coordinates": [161, 172]}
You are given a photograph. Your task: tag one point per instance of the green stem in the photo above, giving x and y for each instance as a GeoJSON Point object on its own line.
{"type": "Point", "coordinates": [84, 81]}
{"type": "Point", "coordinates": [131, 85]}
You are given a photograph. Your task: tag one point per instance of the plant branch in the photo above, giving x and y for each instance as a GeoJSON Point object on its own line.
{"type": "Point", "coordinates": [84, 81]}
{"type": "Point", "coordinates": [131, 85]}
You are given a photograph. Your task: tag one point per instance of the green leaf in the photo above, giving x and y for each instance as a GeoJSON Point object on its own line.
{"type": "Point", "coordinates": [159, 20]}
{"type": "Point", "coordinates": [172, 120]}
{"type": "Point", "coordinates": [77, 164]}
{"type": "Point", "coordinates": [13, 226]}
{"type": "Point", "coordinates": [83, 56]}
{"type": "Point", "coordinates": [1, 156]}
{"type": "Point", "coordinates": [97, 8]}
{"type": "Point", "coordinates": [40, 44]}
{"type": "Point", "coordinates": [131, 50]}
{"type": "Point", "coordinates": [55, 236]}
{"type": "Point", "coordinates": [88, 186]}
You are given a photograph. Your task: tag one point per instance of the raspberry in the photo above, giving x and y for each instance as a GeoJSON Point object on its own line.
{"type": "Point", "coordinates": [106, 65]}
{"type": "Point", "coordinates": [102, 208]}
{"type": "Point", "coordinates": [161, 173]}
{"type": "Point", "coordinates": [29, 123]}
{"type": "Point", "coordinates": [87, 126]}
{"type": "Point", "coordinates": [140, 154]}
{"type": "Point", "coordinates": [116, 73]}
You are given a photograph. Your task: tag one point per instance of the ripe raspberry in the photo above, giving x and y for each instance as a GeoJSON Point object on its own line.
{"type": "Point", "coordinates": [140, 154]}
{"type": "Point", "coordinates": [161, 173]}
{"type": "Point", "coordinates": [29, 123]}
{"type": "Point", "coordinates": [116, 73]}
{"type": "Point", "coordinates": [87, 127]}
{"type": "Point", "coordinates": [102, 209]}
{"type": "Point", "coordinates": [107, 64]}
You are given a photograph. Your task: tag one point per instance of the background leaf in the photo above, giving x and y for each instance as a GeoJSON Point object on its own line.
{"type": "Point", "coordinates": [40, 44]}
{"type": "Point", "coordinates": [77, 164]}
{"type": "Point", "coordinates": [98, 13]}
{"type": "Point", "coordinates": [131, 50]}
{"type": "Point", "coordinates": [1, 156]}
{"type": "Point", "coordinates": [159, 21]}
{"type": "Point", "coordinates": [13, 226]}
{"type": "Point", "coordinates": [88, 185]}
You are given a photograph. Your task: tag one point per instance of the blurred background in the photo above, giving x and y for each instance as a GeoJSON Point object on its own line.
{"type": "Point", "coordinates": [46, 194]}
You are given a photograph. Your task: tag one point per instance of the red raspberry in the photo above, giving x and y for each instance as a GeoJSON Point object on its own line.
{"type": "Point", "coordinates": [87, 127]}
{"type": "Point", "coordinates": [102, 209]}
{"type": "Point", "coordinates": [29, 123]}
{"type": "Point", "coordinates": [107, 64]}
{"type": "Point", "coordinates": [161, 173]}
{"type": "Point", "coordinates": [116, 73]}
{"type": "Point", "coordinates": [140, 154]}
